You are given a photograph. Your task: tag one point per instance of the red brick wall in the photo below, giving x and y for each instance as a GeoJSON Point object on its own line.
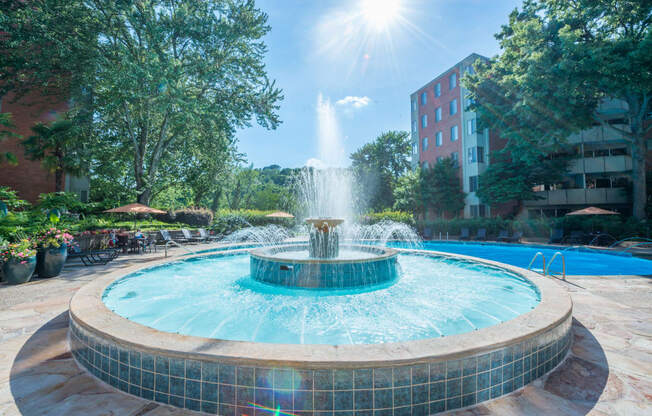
{"type": "Point", "coordinates": [28, 177]}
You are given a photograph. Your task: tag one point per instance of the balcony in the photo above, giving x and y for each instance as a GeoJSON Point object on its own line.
{"type": "Point", "coordinates": [621, 163]}
{"type": "Point", "coordinates": [599, 134]}
{"type": "Point", "coordinates": [580, 197]}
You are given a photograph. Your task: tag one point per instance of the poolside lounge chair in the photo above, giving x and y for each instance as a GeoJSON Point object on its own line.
{"type": "Point", "coordinates": [189, 237]}
{"type": "Point", "coordinates": [502, 235]}
{"type": "Point", "coordinates": [464, 234]}
{"type": "Point", "coordinates": [206, 236]}
{"type": "Point", "coordinates": [86, 250]}
{"type": "Point", "coordinates": [515, 238]}
{"type": "Point", "coordinates": [166, 237]}
{"type": "Point", "coordinates": [556, 236]}
{"type": "Point", "coordinates": [481, 235]}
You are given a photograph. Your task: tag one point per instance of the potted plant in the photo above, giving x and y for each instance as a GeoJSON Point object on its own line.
{"type": "Point", "coordinates": [52, 246]}
{"type": "Point", "coordinates": [18, 261]}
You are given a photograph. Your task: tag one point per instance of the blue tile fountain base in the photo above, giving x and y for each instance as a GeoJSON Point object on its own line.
{"type": "Point", "coordinates": [226, 388]}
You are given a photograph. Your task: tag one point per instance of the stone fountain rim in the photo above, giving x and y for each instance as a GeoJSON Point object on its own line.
{"type": "Point", "coordinates": [263, 254]}
{"type": "Point", "coordinates": [89, 311]}
{"type": "Point", "coordinates": [332, 222]}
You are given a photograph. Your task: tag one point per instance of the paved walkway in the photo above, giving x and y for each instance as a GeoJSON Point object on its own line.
{"type": "Point", "coordinates": [609, 371]}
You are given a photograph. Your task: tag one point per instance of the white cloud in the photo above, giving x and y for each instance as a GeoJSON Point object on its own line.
{"type": "Point", "coordinates": [315, 163]}
{"type": "Point", "coordinates": [351, 101]}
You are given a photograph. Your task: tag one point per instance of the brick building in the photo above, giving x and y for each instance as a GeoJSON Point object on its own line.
{"type": "Point", "coordinates": [28, 177]}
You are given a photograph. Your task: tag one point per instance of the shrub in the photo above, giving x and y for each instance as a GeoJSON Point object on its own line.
{"type": "Point", "coordinates": [10, 198]}
{"type": "Point", "coordinates": [228, 221]}
{"type": "Point", "coordinates": [197, 217]}
{"type": "Point", "coordinates": [396, 216]}
{"type": "Point", "coordinates": [66, 201]}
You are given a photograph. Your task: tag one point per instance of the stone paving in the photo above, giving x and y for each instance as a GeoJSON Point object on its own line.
{"type": "Point", "coordinates": [608, 372]}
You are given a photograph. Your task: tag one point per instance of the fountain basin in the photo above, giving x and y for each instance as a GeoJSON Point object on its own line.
{"type": "Point", "coordinates": [425, 376]}
{"type": "Point", "coordinates": [357, 266]}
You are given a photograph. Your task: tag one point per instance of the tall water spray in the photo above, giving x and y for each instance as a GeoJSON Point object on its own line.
{"type": "Point", "coordinates": [329, 138]}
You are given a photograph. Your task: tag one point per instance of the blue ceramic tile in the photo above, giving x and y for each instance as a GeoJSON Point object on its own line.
{"type": "Point", "coordinates": [508, 355]}
{"type": "Point", "coordinates": [193, 389]}
{"type": "Point", "coordinates": [508, 387]}
{"type": "Point", "coordinates": [469, 366]}
{"type": "Point", "coordinates": [437, 371]}
{"type": "Point", "coordinates": [364, 413]}
{"type": "Point", "coordinates": [124, 372]}
{"type": "Point", "coordinates": [518, 368]}
{"type": "Point", "coordinates": [526, 377]}
{"type": "Point", "coordinates": [282, 378]}
{"type": "Point", "coordinates": [420, 374]}
{"type": "Point", "coordinates": [453, 387]}
{"type": "Point", "coordinates": [518, 382]}
{"type": "Point", "coordinates": [283, 399]}
{"type": "Point", "coordinates": [484, 380]}
{"type": "Point", "coordinates": [226, 410]}
{"type": "Point", "coordinates": [147, 394]}
{"type": "Point", "coordinates": [161, 397]}
{"type": "Point", "coordinates": [148, 380]}
{"type": "Point", "coordinates": [402, 396]}
{"type": "Point", "coordinates": [483, 395]}
{"type": "Point", "coordinates": [209, 392]}
{"type": "Point", "coordinates": [384, 412]}
{"type": "Point", "coordinates": [226, 393]}
{"type": "Point", "coordinates": [323, 400]}
{"type": "Point", "coordinates": [264, 377]}
{"type": "Point", "coordinates": [244, 395]}
{"type": "Point", "coordinates": [245, 376]}
{"type": "Point", "coordinates": [177, 401]}
{"type": "Point", "coordinates": [343, 400]}
{"type": "Point", "coordinates": [134, 359]}
{"type": "Point", "coordinates": [496, 391]}
{"type": "Point", "coordinates": [382, 377]}
{"type": "Point", "coordinates": [363, 399]}
{"type": "Point", "coordinates": [113, 381]}
{"type": "Point", "coordinates": [438, 406]}
{"type": "Point", "coordinates": [193, 405]}
{"type": "Point", "coordinates": [177, 367]}
{"type": "Point", "coordinates": [114, 368]}
{"type": "Point", "coordinates": [508, 371]}
{"type": "Point", "coordinates": [209, 372]}
{"type": "Point", "coordinates": [496, 359]}
{"type": "Point", "coordinates": [135, 390]}
{"type": "Point", "coordinates": [302, 380]}
{"type": "Point", "coordinates": [403, 411]}
{"type": "Point", "coordinates": [177, 386]}
{"type": "Point", "coordinates": [437, 390]}
{"type": "Point", "coordinates": [227, 374]}
{"type": "Point", "coordinates": [264, 397]}
{"type": "Point", "coordinates": [193, 369]}
{"type": "Point", "coordinates": [210, 408]}
{"type": "Point", "coordinates": [468, 385]}
{"type": "Point", "coordinates": [402, 376]}
{"type": "Point", "coordinates": [362, 378]}
{"type": "Point", "coordinates": [454, 403]}
{"type": "Point", "coordinates": [420, 394]}
{"type": "Point", "coordinates": [496, 376]}
{"type": "Point", "coordinates": [323, 379]}
{"type": "Point", "coordinates": [134, 376]}
{"type": "Point", "coordinates": [303, 400]}
{"type": "Point", "coordinates": [453, 369]}
{"type": "Point", "coordinates": [383, 398]}
{"type": "Point", "coordinates": [124, 356]}
{"type": "Point", "coordinates": [468, 400]}
{"type": "Point", "coordinates": [343, 379]}
{"type": "Point", "coordinates": [162, 365]}
{"type": "Point", "coordinates": [420, 410]}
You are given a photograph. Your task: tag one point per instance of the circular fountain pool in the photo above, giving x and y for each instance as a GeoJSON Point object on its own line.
{"type": "Point", "coordinates": [200, 333]}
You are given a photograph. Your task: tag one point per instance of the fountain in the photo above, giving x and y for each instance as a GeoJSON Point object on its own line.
{"type": "Point", "coordinates": [324, 241]}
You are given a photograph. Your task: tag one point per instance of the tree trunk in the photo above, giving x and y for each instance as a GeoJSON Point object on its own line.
{"type": "Point", "coordinates": [639, 151]}
{"type": "Point", "coordinates": [143, 196]}
{"type": "Point", "coordinates": [58, 180]}
{"type": "Point", "coordinates": [215, 205]}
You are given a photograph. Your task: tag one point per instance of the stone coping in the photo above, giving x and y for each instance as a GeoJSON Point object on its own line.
{"type": "Point", "coordinates": [88, 311]}
{"type": "Point", "coordinates": [266, 253]}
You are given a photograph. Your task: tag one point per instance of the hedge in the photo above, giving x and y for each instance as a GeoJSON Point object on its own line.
{"type": "Point", "coordinates": [396, 216]}
{"type": "Point", "coordinates": [228, 221]}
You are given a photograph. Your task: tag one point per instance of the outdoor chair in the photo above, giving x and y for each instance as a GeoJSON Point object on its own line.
{"type": "Point", "coordinates": [481, 235]}
{"type": "Point", "coordinates": [166, 236]}
{"type": "Point", "coordinates": [206, 236]}
{"type": "Point", "coordinates": [189, 237]}
{"type": "Point", "coordinates": [515, 238]}
{"type": "Point", "coordinates": [427, 233]}
{"type": "Point", "coordinates": [556, 236]}
{"type": "Point", "coordinates": [83, 250]}
{"type": "Point", "coordinates": [464, 234]}
{"type": "Point", "coordinates": [503, 235]}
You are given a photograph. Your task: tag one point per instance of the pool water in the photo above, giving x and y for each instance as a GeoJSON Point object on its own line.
{"type": "Point", "coordinates": [214, 297]}
{"type": "Point", "coordinates": [578, 262]}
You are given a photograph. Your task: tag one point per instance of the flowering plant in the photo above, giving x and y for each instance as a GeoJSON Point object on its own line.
{"type": "Point", "coordinates": [53, 237]}
{"type": "Point", "coordinates": [20, 251]}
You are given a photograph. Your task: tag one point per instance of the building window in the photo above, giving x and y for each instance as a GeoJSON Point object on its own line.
{"type": "Point", "coordinates": [452, 80]}
{"type": "Point", "coordinates": [476, 154]}
{"type": "Point", "coordinates": [455, 157]}
{"type": "Point", "coordinates": [83, 196]}
{"type": "Point", "coordinates": [438, 139]}
{"type": "Point", "coordinates": [438, 114]}
{"type": "Point", "coordinates": [478, 211]}
{"type": "Point", "coordinates": [414, 126]}
{"type": "Point", "coordinates": [453, 107]}
{"type": "Point", "coordinates": [424, 144]}
{"type": "Point", "coordinates": [471, 126]}
{"type": "Point", "coordinates": [454, 133]}
{"type": "Point", "coordinates": [424, 98]}
{"type": "Point", "coordinates": [415, 148]}
{"type": "Point", "coordinates": [473, 183]}
{"type": "Point", "coordinates": [424, 121]}
{"type": "Point", "coordinates": [438, 90]}
{"type": "Point", "coordinates": [414, 105]}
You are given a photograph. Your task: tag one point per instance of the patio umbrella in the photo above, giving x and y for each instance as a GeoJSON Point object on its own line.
{"type": "Point", "coordinates": [593, 211]}
{"type": "Point", "coordinates": [279, 214]}
{"type": "Point", "coordinates": [135, 209]}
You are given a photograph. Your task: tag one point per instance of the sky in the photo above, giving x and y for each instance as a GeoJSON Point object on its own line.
{"type": "Point", "coordinates": [347, 69]}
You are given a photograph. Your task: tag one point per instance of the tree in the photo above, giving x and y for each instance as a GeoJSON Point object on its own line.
{"type": "Point", "coordinates": [406, 192]}
{"type": "Point", "coordinates": [58, 146]}
{"type": "Point", "coordinates": [377, 166]}
{"type": "Point", "coordinates": [440, 188]}
{"type": "Point", "coordinates": [507, 179]}
{"type": "Point", "coordinates": [560, 60]}
{"type": "Point", "coordinates": [150, 70]}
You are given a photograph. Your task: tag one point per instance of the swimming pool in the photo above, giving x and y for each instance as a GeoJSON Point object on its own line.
{"type": "Point", "coordinates": [578, 261]}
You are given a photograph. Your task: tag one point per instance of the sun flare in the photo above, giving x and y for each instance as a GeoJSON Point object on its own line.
{"type": "Point", "coordinates": [379, 14]}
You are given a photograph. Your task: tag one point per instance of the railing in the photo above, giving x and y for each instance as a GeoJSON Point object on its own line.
{"type": "Point", "coordinates": [168, 242]}
{"type": "Point", "coordinates": [563, 265]}
{"type": "Point", "coordinates": [529, 267]}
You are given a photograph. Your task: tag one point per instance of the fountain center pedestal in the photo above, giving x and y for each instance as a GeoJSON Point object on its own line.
{"type": "Point", "coordinates": [324, 240]}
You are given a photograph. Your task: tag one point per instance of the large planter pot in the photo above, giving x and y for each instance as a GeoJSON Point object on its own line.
{"type": "Point", "coordinates": [16, 272]}
{"type": "Point", "coordinates": [50, 261]}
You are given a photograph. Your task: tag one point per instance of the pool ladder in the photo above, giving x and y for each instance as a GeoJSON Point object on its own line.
{"type": "Point", "coordinates": [546, 269]}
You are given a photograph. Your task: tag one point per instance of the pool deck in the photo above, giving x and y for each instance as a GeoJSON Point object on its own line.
{"type": "Point", "coordinates": [609, 371]}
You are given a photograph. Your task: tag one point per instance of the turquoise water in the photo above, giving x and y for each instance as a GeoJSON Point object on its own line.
{"type": "Point", "coordinates": [578, 262]}
{"type": "Point", "coordinates": [214, 297]}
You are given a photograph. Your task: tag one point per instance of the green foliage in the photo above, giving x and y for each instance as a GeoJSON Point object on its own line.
{"type": "Point", "coordinates": [5, 132]}
{"type": "Point", "coordinates": [67, 201]}
{"type": "Point", "coordinates": [196, 217]}
{"type": "Point", "coordinates": [10, 198]}
{"type": "Point", "coordinates": [440, 188]}
{"type": "Point", "coordinates": [407, 196]}
{"type": "Point", "coordinates": [227, 221]}
{"type": "Point", "coordinates": [377, 166]}
{"type": "Point", "coordinates": [559, 61]}
{"type": "Point", "coordinates": [396, 216]}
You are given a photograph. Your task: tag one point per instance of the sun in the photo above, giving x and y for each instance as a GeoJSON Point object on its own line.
{"type": "Point", "coordinates": [379, 14]}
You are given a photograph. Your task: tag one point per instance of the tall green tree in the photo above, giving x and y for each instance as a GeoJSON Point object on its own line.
{"type": "Point", "coordinates": [560, 59]}
{"type": "Point", "coordinates": [378, 165]}
{"type": "Point", "coordinates": [407, 195]}
{"type": "Point", "coordinates": [59, 147]}
{"type": "Point", "coordinates": [5, 132]}
{"type": "Point", "coordinates": [440, 188]}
